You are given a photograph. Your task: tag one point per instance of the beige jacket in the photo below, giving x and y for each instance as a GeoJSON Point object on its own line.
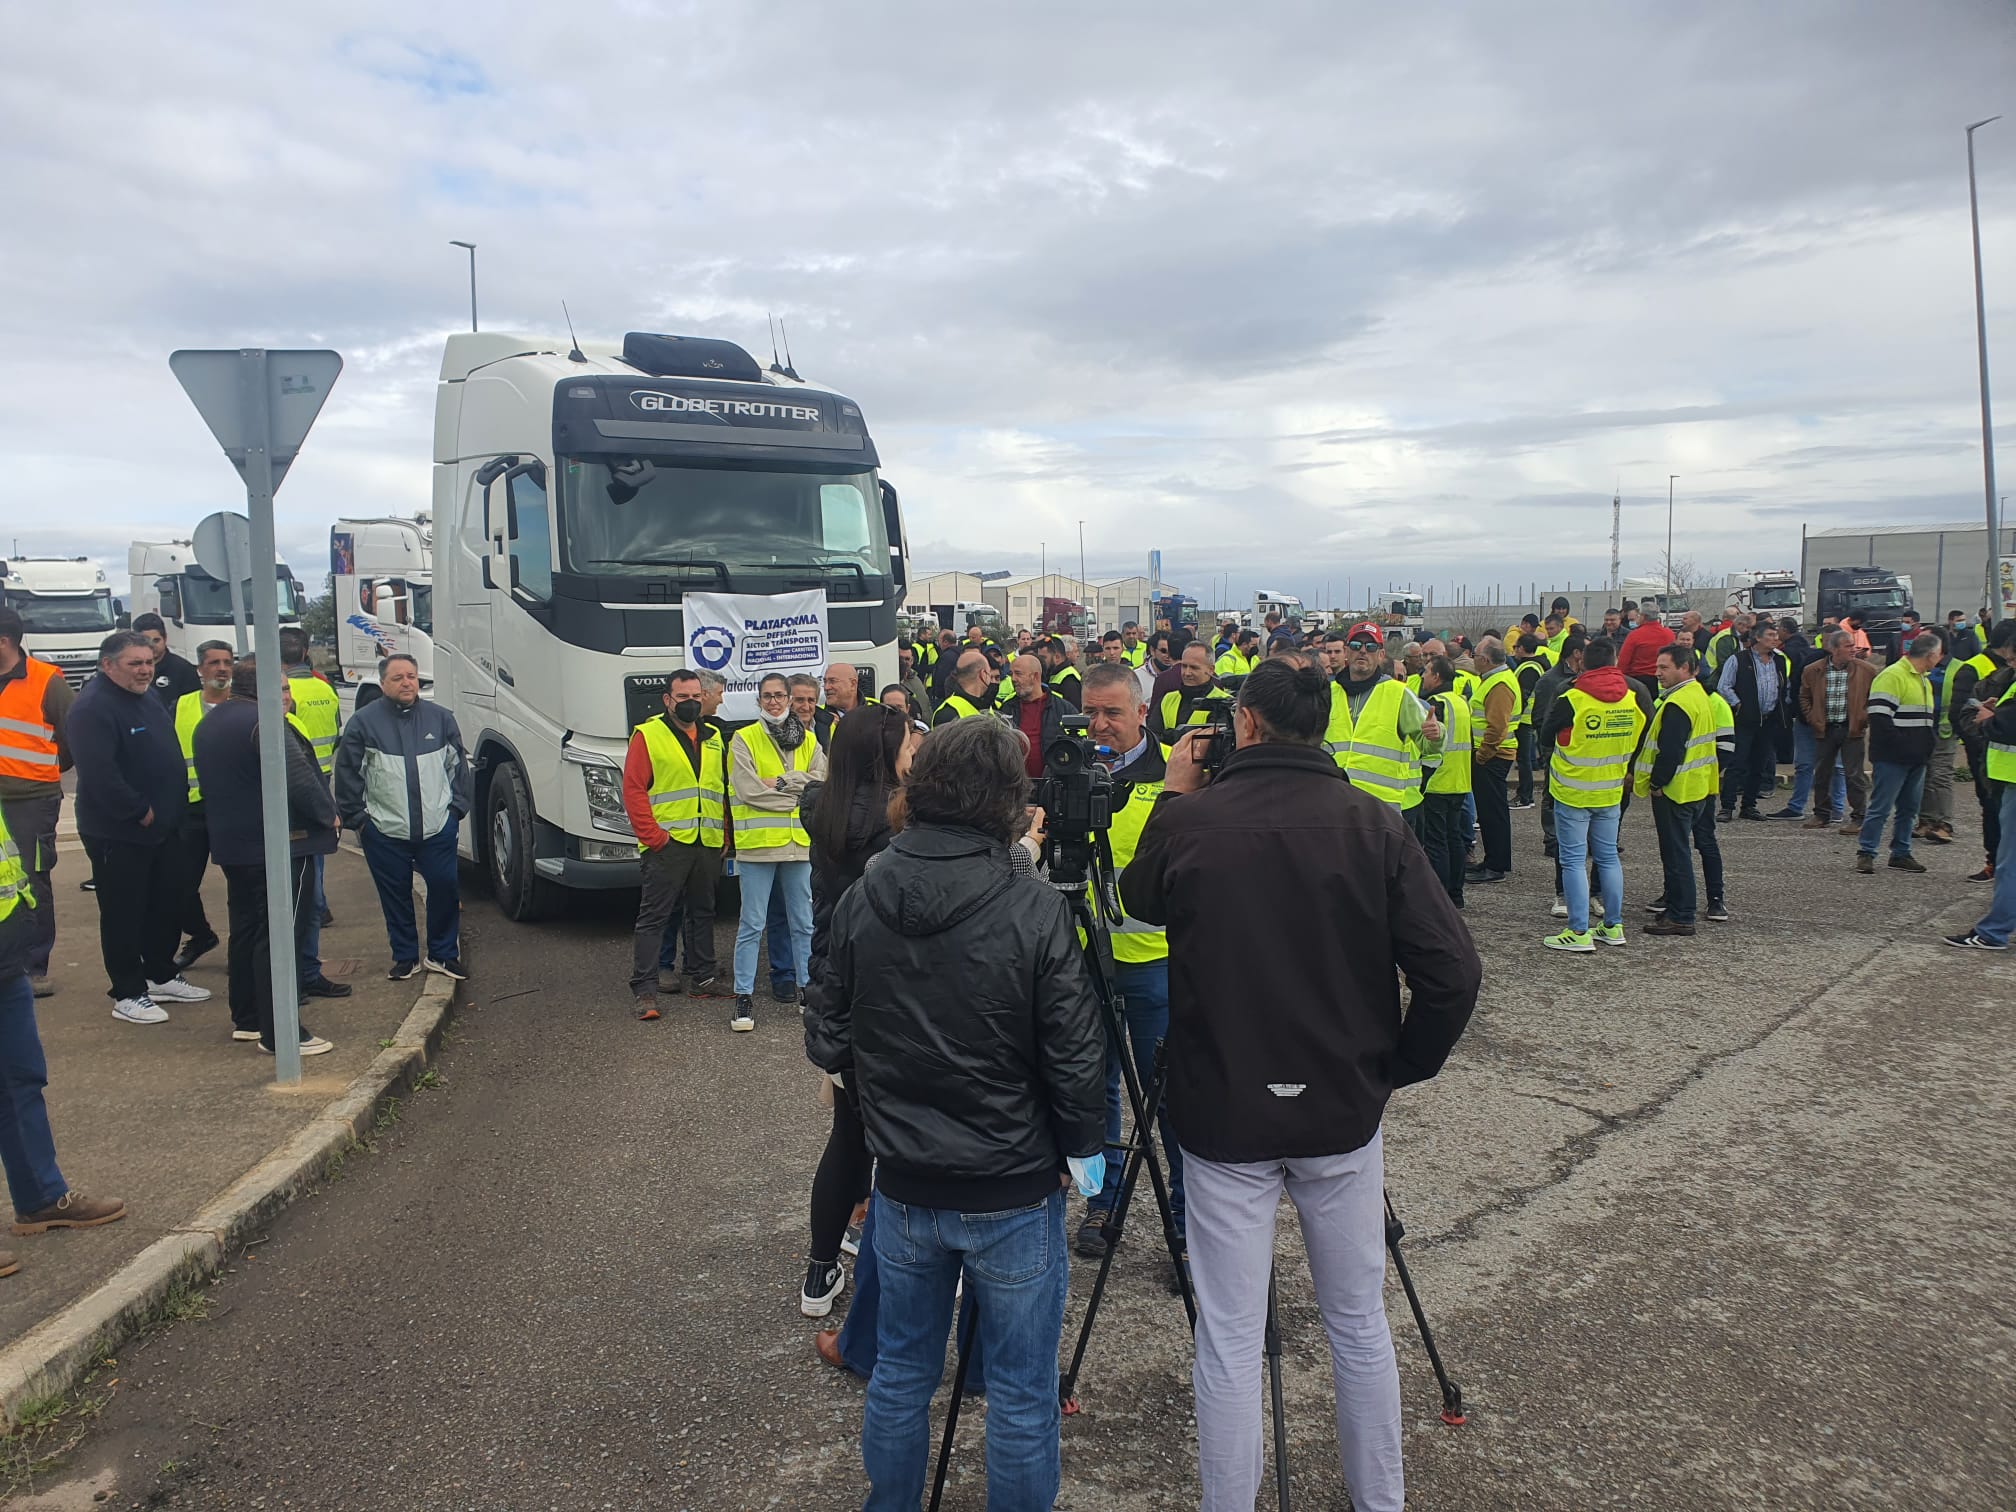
{"type": "Point", "coordinates": [747, 788]}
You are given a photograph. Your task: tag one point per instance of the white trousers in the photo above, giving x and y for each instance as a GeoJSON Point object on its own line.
{"type": "Point", "coordinates": [1231, 1212]}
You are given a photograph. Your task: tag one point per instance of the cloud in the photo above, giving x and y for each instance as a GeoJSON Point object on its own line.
{"type": "Point", "coordinates": [1315, 292]}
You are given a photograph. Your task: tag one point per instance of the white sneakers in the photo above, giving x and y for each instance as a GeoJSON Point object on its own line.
{"type": "Point", "coordinates": [140, 1010]}
{"type": "Point", "coordinates": [178, 989]}
{"type": "Point", "coordinates": [314, 1044]}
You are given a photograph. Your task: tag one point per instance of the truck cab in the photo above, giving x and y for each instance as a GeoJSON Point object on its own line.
{"type": "Point", "coordinates": [194, 606]}
{"type": "Point", "coordinates": [65, 604]}
{"type": "Point", "coordinates": [581, 493]}
{"type": "Point", "coordinates": [382, 574]}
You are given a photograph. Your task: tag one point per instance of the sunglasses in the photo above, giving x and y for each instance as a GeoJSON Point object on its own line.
{"type": "Point", "coordinates": [1364, 645]}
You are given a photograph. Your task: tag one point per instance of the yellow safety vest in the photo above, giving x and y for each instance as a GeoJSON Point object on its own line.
{"type": "Point", "coordinates": [1067, 681]}
{"type": "Point", "coordinates": [1478, 690]}
{"type": "Point", "coordinates": [688, 805]}
{"type": "Point", "coordinates": [1138, 655]}
{"type": "Point", "coordinates": [14, 886]}
{"type": "Point", "coordinates": [1450, 772]}
{"type": "Point", "coordinates": [1372, 752]}
{"type": "Point", "coordinates": [1200, 713]}
{"type": "Point", "coordinates": [1133, 940]}
{"type": "Point", "coordinates": [758, 830]}
{"type": "Point", "coordinates": [318, 714]}
{"type": "Point", "coordinates": [1232, 664]}
{"type": "Point", "coordinates": [962, 706]}
{"type": "Point", "coordinates": [1590, 771]}
{"type": "Point", "coordinates": [189, 714]}
{"type": "Point", "coordinates": [1696, 776]}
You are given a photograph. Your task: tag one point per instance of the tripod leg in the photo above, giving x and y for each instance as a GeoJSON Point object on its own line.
{"type": "Point", "coordinates": [1273, 1348]}
{"type": "Point", "coordinates": [1452, 1394]}
{"type": "Point", "coordinates": [966, 1337]}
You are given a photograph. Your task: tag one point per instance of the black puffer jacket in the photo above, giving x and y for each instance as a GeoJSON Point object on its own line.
{"type": "Point", "coordinates": [953, 999]}
{"type": "Point", "coordinates": [867, 837]}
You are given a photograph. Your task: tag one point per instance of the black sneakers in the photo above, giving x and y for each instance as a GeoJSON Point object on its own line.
{"type": "Point", "coordinates": [1972, 941]}
{"type": "Point", "coordinates": [194, 951]}
{"type": "Point", "coordinates": [322, 987]}
{"type": "Point", "coordinates": [745, 1018]}
{"type": "Point", "coordinates": [402, 971]}
{"type": "Point", "coordinates": [824, 1280]}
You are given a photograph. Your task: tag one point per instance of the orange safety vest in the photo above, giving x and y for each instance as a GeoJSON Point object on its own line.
{"type": "Point", "coordinates": [27, 739]}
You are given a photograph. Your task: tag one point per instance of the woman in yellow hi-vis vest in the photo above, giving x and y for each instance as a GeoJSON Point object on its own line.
{"type": "Point", "coordinates": [1591, 731]}
{"type": "Point", "coordinates": [769, 764]}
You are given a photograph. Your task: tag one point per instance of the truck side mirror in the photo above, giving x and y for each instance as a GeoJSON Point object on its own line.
{"type": "Point", "coordinates": [892, 524]}
{"type": "Point", "coordinates": [489, 577]}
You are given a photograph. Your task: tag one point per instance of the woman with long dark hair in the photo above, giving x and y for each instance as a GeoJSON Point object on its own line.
{"type": "Point", "coordinates": [847, 817]}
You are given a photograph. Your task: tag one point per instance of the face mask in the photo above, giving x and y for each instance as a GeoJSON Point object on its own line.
{"type": "Point", "coordinates": [687, 711]}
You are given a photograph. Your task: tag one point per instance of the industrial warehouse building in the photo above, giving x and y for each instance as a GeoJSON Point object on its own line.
{"type": "Point", "coordinates": [1113, 601]}
{"type": "Point", "coordinates": [1947, 564]}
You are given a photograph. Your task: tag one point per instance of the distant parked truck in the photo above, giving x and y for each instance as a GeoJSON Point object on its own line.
{"type": "Point", "coordinates": [1063, 616]}
{"type": "Point", "coordinates": [65, 606]}
{"type": "Point", "coordinates": [194, 606]}
{"type": "Point", "coordinates": [1877, 594]}
{"type": "Point", "coordinates": [1777, 593]}
{"type": "Point", "coordinates": [382, 573]}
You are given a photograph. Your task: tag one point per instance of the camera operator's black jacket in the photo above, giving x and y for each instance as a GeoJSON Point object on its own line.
{"type": "Point", "coordinates": [953, 999]}
{"type": "Point", "coordinates": [1285, 1032]}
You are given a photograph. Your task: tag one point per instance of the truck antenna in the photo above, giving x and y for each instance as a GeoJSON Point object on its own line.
{"type": "Point", "coordinates": [789, 370]}
{"type": "Point", "coordinates": [776, 364]}
{"type": "Point", "coordinates": [575, 355]}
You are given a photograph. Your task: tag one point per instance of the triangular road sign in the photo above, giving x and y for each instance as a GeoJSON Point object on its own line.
{"type": "Point", "coordinates": [223, 387]}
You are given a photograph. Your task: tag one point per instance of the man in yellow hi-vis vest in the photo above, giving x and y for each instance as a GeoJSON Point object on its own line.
{"type": "Point", "coordinates": [675, 791]}
{"type": "Point", "coordinates": [1591, 731]}
{"type": "Point", "coordinates": [1677, 767]}
{"type": "Point", "coordinates": [42, 1199]}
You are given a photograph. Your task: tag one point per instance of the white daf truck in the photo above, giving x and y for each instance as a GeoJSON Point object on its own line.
{"type": "Point", "coordinates": [65, 605]}
{"type": "Point", "coordinates": [382, 574]}
{"type": "Point", "coordinates": [194, 606]}
{"type": "Point", "coordinates": [580, 493]}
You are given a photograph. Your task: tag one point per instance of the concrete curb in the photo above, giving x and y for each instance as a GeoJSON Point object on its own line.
{"type": "Point", "coordinates": [52, 1356]}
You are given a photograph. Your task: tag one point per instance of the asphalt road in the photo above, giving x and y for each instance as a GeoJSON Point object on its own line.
{"type": "Point", "coordinates": [1710, 1224]}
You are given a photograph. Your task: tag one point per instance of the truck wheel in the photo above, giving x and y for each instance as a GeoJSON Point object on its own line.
{"type": "Point", "coordinates": [520, 892]}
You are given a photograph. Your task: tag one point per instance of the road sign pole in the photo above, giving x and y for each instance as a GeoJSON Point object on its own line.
{"type": "Point", "coordinates": [255, 395]}
{"type": "Point", "coordinates": [240, 571]}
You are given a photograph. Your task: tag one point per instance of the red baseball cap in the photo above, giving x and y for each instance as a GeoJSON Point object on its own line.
{"type": "Point", "coordinates": [1366, 628]}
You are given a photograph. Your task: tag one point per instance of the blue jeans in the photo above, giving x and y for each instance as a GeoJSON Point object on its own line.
{"type": "Point", "coordinates": [27, 1148]}
{"type": "Point", "coordinates": [2001, 918]}
{"type": "Point", "coordinates": [1891, 785]}
{"type": "Point", "coordinates": [864, 1312]}
{"type": "Point", "coordinates": [1016, 1273]}
{"type": "Point", "coordinates": [311, 930]}
{"type": "Point", "coordinates": [1144, 991]}
{"type": "Point", "coordinates": [759, 879]}
{"type": "Point", "coordinates": [776, 937]}
{"type": "Point", "coordinates": [1805, 756]}
{"type": "Point", "coordinates": [393, 863]}
{"type": "Point", "coordinates": [1578, 831]}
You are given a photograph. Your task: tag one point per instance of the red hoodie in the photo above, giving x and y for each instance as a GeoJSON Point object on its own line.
{"type": "Point", "coordinates": [1604, 684]}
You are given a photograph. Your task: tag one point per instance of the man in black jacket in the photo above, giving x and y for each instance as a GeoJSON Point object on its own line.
{"type": "Point", "coordinates": [953, 999]}
{"type": "Point", "coordinates": [1282, 1053]}
{"type": "Point", "coordinates": [227, 766]}
{"type": "Point", "coordinates": [173, 675]}
{"type": "Point", "coordinates": [1757, 683]}
{"type": "Point", "coordinates": [132, 787]}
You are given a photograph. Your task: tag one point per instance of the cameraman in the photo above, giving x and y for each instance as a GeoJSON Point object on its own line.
{"type": "Point", "coordinates": [953, 998]}
{"type": "Point", "coordinates": [1282, 1054]}
{"type": "Point", "coordinates": [1114, 713]}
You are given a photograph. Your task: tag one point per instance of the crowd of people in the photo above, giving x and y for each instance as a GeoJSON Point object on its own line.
{"type": "Point", "coordinates": [944, 993]}
{"type": "Point", "coordinates": [168, 764]}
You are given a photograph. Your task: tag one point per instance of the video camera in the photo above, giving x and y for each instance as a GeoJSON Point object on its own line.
{"type": "Point", "coordinates": [1076, 795]}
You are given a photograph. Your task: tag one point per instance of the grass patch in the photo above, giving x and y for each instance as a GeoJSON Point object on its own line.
{"type": "Point", "coordinates": [388, 1115]}
{"type": "Point", "coordinates": [428, 1081]}
{"type": "Point", "coordinates": [47, 1428]}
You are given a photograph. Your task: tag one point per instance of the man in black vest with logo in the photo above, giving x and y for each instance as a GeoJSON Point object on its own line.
{"type": "Point", "coordinates": [1757, 682]}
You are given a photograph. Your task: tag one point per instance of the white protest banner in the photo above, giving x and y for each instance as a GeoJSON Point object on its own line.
{"type": "Point", "coordinates": [745, 636]}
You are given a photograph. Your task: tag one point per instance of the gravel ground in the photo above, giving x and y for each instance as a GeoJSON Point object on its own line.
{"type": "Point", "coordinates": [1698, 1224]}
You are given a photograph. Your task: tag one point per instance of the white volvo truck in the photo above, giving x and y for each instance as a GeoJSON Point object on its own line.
{"type": "Point", "coordinates": [194, 606]}
{"type": "Point", "coordinates": [579, 494]}
{"type": "Point", "coordinates": [65, 605]}
{"type": "Point", "coordinates": [382, 574]}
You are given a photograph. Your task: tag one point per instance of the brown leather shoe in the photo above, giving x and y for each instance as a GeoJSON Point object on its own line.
{"type": "Point", "coordinates": [1816, 821]}
{"type": "Point", "coordinates": [1852, 827]}
{"type": "Point", "coordinates": [8, 1264]}
{"type": "Point", "coordinates": [1668, 927]}
{"type": "Point", "coordinates": [71, 1210]}
{"type": "Point", "coordinates": [1906, 863]}
{"type": "Point", "coordinates": [827, 1342]}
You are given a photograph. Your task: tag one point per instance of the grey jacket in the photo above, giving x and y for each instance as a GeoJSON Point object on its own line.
{"type": "Point", "coordinates": [402, 770]}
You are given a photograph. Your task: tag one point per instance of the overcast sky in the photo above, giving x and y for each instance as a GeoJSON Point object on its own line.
{"type": "Point", "coordinates": [1302, 293]}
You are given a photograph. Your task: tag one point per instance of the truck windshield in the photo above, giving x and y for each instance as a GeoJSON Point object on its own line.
{"type": "Point", "coordinates": [643, 514]}
{"type": "Point", "coordinates": [70, 614]}
{"type": "Point", "coordinates": [207, 600]}
{"type": "Point", "coordinates": [1875, 598]}
{"type": "Point", "coordinates": [1787, 597]}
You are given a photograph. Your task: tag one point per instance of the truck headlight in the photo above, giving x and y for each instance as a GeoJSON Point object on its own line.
{"type": "Point", "coordinates": [603, 783]}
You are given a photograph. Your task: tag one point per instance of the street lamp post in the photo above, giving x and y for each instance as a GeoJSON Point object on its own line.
{"type": "Point", "coordinates": [1669, 540]}
{"type": "Point", "coordinates": [1994, 586]}
{"type": "Point", "coordinates": [472, 279]}
{"type": "Point", "coordinates": [1081, 574]}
